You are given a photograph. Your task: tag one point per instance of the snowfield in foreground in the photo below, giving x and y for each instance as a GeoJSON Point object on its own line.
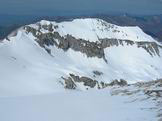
{"type": "Point", "coordinates": [77, 106]}
{"type": "Point", "coordinates": [36, 62]}
{"type": "Point", "coordinates": [129, 103]}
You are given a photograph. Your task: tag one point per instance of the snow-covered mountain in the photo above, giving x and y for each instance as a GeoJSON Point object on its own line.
{"type": "Point", "coordinates": [39, 62]}
{"type": "Point", "coordinates": [36, 58]}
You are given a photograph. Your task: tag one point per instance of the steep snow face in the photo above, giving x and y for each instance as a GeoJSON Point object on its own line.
{"type": "Point", "coordinates": [133, 63]}
{"type": "Point", "coordinates": [25, 68]}
{"type": "Point", "coordinates": [95, 29]}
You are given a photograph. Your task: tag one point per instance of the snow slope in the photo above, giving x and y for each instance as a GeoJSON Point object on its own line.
{"type": "Point", "coordinates": [80, 106]}
{"type": "Point", "coordinates": [128, 103]}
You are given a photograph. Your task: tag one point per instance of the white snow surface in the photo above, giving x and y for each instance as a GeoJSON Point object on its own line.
{"type": "Point", "coordinates": [93, 29]}
{"type": "Point", "coordinates": [77, 106]}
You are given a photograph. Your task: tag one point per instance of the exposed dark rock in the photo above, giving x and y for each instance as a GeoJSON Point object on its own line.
{"type": "Point", "coordinates": [104, 85]}
{"type": "Point", "coordinates": [69, 84]}
{"type": "Point", "coordinates": [150, 88]}
{"type": "Point", "coordinates": [97, 73]}
{"type": "Point", "coordinates": [157, 93]}
{"type": "Point", "coordinates": [48, 27]}
{"type": "Point", "coordinates": [30, 29]}
{"type": "Point", "coordinates": [114, 42]}
{"type": "Point", "coordinates": [151, 47]}
{"type": "Point", "coordinates": [91, 49]}
{"type": "Point", "coordinates": [119, 83]}
{"type": "Point", "coordinates": [86, 81]}
{"type": "Point", "coordinates": [157, 83]}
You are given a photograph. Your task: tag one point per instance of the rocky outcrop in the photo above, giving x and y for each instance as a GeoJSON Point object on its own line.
{"type": "Point", "coordinates": [157, 93]}
{"type": "Point", "coordinates": [155, 83]}
{"type": "Point", "coordinates": [69, 83]}
{"type": "Point", "coordinates": [152, 88]}
{"type": "Point", "coordinates": [120, 82]}
{"type": "Point", "coordinates": [114, 42]}
{"type": "Point", "coordinates": [72, 81]}
{"type": "Point", "coordinates": [97, 73]}
{"type": "Point", "coordinates": [151, 47]}
{"type": "Point", "coordinates": [91, 49]}
{"type": "Point", "coordinates": [142, 91]}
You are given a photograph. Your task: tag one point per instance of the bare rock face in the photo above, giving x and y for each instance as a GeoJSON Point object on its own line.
{"type": "Point", "coordinates": [69, 83]}
{"type": "Point", "coordinates": [72, 81]}
{"type": "Point", "coordinates": [121, 82]}
{"type": "Point", "coordinates": [97, 73]}
{"type": "Point", "coordinates": [151, 47]}
{"type": "Point", "coordinates": [156, 87]}
{"type": "Point", "coordinates": [91, 49]}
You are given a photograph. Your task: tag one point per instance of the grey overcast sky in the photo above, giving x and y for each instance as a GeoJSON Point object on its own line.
{"type": "Point", "coordinates": [69, 7]}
